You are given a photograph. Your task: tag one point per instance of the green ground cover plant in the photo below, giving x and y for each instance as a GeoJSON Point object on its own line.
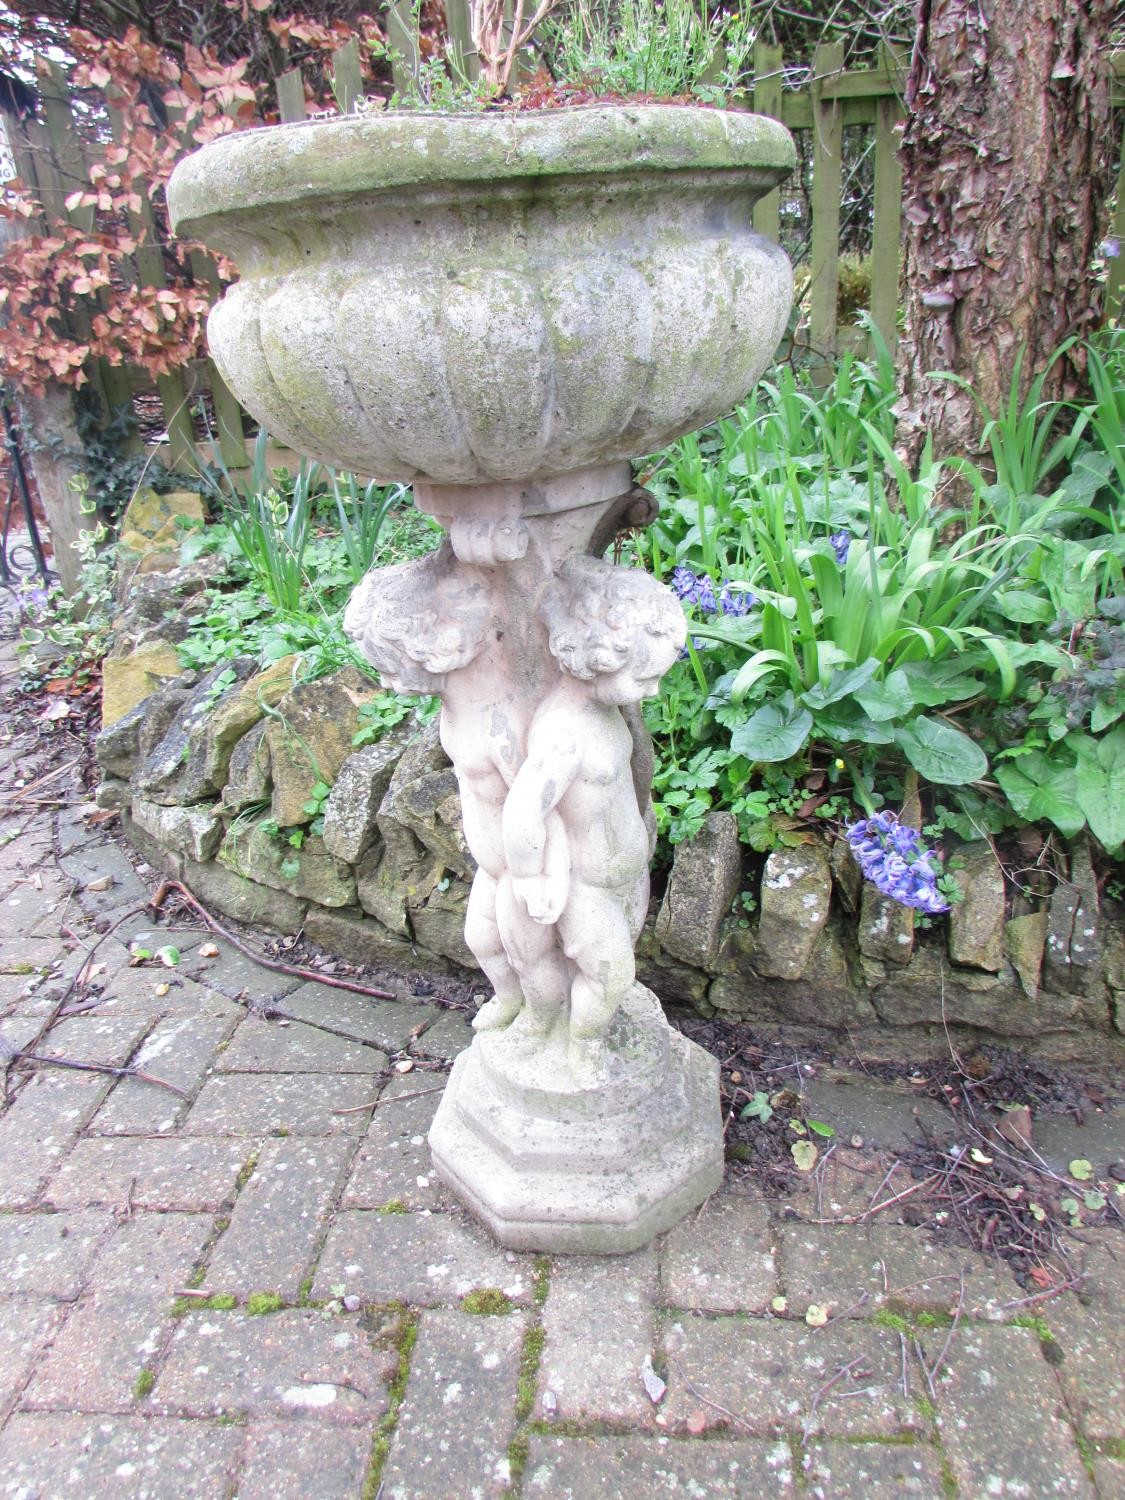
{"type": "Point", "coordinates": [855, 628]}
{"type": "Point", "coordinates": [858, 635]}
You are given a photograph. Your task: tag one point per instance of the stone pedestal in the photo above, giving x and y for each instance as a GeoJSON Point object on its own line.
{"type": "Point", "coordinates": [551, 1166]}
{"type": "Point", "coordinates": [505, 310]}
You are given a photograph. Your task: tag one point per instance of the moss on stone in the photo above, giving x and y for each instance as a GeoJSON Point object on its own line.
{"type": "Point", "coordinates": [487, 1301]}
{"type": "Point", "coordinates": [258, 1304]}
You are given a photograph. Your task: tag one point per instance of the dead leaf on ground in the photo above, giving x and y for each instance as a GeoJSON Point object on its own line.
{"type": "Point", "coordinates": [1015, 1127]}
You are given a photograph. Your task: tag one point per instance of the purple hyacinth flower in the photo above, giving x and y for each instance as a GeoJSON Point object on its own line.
{"type": "Point", "coordinates": [841, 542]}
{"type": "Point", "coordinates": [894, 859]}
{"type": "Point", "coordinates": [684, 583]}
{"type": "Point", "coordinates": [734, 601]}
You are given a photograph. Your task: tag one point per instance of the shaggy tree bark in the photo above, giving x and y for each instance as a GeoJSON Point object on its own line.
{"type": "Point", "coordinates": [1007, 154]}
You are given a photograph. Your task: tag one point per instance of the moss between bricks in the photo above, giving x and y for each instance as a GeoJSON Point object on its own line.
{"type": "Point", "coordinates": [143, 1384]}
{"type": "Point", "coordinates": [530, 1356]}
{"type": "Point", "coordinates": [402, 1334]}
{"type": "Point", "coordinates": [487, 1301]}
{"type": "Point", "coordinates": [259, 1304]}
{"type": "Point", "coordinates": [218, 1302]}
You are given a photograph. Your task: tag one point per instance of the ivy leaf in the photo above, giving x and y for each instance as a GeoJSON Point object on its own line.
{"type": "Point", "coordinates": [941, 753]}
{"type": "Point", "coordinates": [168, 956]}
{"type": "Point", "coordinates": [818, 1127]}
{"type": "Point", "coordinates": [773, 732]}
{"type": "Point", "coordinates": [1080, 1169]}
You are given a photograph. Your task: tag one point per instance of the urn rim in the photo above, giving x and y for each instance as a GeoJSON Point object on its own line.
{"type": "Point", "coordinates": [278, 166]}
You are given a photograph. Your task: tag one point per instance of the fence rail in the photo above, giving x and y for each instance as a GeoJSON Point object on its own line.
{"type": "Point", "coordinates": [829, 101]}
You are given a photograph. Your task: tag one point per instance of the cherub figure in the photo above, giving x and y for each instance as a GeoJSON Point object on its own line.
{"type": "Point", "coordinates": [431, 626]}
{"type": "Point", "coordinates": [614, 632]}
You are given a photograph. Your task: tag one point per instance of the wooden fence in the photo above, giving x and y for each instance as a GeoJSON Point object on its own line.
{"type": "Point", "coordinates": [820, 105]}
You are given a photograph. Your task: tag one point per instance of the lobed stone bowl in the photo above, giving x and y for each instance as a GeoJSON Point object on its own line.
{"type": "Point", "coordinates": [466, 299]}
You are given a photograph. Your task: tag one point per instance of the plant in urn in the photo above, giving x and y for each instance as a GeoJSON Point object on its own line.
{"type": "Point", "coordinates": [504, 309]}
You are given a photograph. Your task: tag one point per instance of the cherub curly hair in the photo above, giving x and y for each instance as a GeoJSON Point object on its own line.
{"type": "Point", "coordinates": [600, 618]}
{"type": "Point", "coordinates": [421, 613]}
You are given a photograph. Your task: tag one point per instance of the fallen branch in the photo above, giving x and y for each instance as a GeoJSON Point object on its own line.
{"type": "Point", "coordinates": [21, 1057]}
{"type": "Point", "coordinates": [169, 887]}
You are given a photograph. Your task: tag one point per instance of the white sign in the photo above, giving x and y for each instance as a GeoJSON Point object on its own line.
{"type": "Point", "coordinates": [7, 155]}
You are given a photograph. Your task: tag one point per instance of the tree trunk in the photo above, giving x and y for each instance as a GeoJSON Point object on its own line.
{"type": "Point", "coordinates": [1007, 155]}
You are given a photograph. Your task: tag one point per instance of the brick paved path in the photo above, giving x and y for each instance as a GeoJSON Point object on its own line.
{"type": "Point", "coordinates": [259, 1289]}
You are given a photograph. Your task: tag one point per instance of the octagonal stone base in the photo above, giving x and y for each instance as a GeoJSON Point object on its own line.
{"type": "Point", "coordinates": [551, 1166]}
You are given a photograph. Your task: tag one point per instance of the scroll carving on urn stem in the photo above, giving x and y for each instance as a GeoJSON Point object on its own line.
{"type": "Point", "coordinates": [554, 782]}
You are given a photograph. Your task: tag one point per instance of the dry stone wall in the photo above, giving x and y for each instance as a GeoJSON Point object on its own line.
{"type": "Point", "coordinates": [214, 781]}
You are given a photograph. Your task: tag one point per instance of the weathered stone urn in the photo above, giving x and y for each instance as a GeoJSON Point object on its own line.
{"type": "Point", "coordinates": [505, 309]}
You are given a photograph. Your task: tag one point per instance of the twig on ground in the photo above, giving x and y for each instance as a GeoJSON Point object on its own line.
{"type": "Point", "coordinates": [869, 1213]}
{"type": "Point", "coordinates": [1071, 1285]}
{"type": "Point", "coordinates": [23, 1056]}
{"type": "Point", "coordinates": [714, 1405]}
{"type": "Point", "coordinates": [20, 794]}
{"type": "Point", "coordinates": [819, 1395]}
{"type": "Point", "coordinates": [356, 1109]}
{"type": "Point", "coordinates": [169, 887]}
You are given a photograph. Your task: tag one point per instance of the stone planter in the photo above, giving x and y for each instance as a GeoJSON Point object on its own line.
{"type": "Point", "coordinates": [505, 309]}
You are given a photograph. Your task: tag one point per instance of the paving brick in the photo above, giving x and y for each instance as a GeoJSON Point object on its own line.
{"type": "Point", "coordinates": [875, 1471]}
{"type": "Point", "coordinates": [393, 1162]}
{"type": "Point", "coordinates": [119, 1326]}
{"type": "Point", "coordinates": [623, 1468]}
{"type": "Point", "coordinates": [133, 988]}
{"type": "Point", "coordinates": [721, 1259]}
{"type": "Point", "coordinates": [25, 1326]}
{"type": "Point", "coordinates": [1090, 1341]}
{"type": "Point", "coordinates": [850, 1270]}
{"type": "Point", "coordinates": [95, 863]}
{"type": "Point", "coordinates": [72, 831]}
{"type": "Point", "coordinates": [35, 904]}
{"type": "Point", "coordinates": [151, 1173]}
{"type": "Point", "coordinates": [458, 1416]}
{"type": "Point", "coordinates": [289, 1047]}
{"type": "Point", "coordinates": [1109, 1477]}
{"type": "Point", "coordinates": [30, 851]}
{"type": "Point", "coordinates": [58, 1457]}
{"type": "Point", "coordinates": [180, 1050]}
{"type": "Point", "coordinates": [20, 1026]}
{"type": "Point", "coordinates": [417, 1258]}
{"type": "Point", "coordinates": [600, 1328]}
{"type": "Point", "coordinates": [97, 1037]}
{"type": "Point", "coordinates": [446, 1037]}
{"type": "Point", "coordinates": [769, 1373]}
{"type": "Point", "coordinates": [1001, 1415]}
{"type": "Point", "coordinates": [265, 1103]}
{"type": "Point", "coordinates": [291, 1363]}
{"type": "Point", "coordinates": [49, 1254]}
{"type": "Point", "coordinates": [387, 1023]}
{"type": "Point", "coordinates": [38, 1127]}
{"type": "Point", "coordinates": [278, 1219]}
{"type": "Point", "coordinates": [303, 1460]}
{"type": "Point", "coordinates": [233, 974]}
